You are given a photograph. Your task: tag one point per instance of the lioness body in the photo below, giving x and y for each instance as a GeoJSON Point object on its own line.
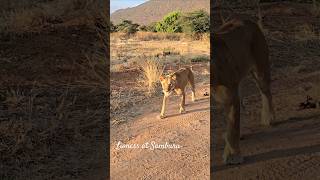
{"type": "Point", "coordinates": [177, 82]}
{"type": "Point", "coordinates": [240, 49]}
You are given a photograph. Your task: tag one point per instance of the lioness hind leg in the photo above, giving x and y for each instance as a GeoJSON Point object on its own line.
{"type": "Point", "coordinates": [267, 112]}
{"type": "Point", "coordinates": [232, 136]}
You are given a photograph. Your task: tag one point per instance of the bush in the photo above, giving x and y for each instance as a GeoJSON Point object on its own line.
{"type": "Point", "coordinates": [195, 22]}
{"type": "Point", "coordinates": [127, 26]}
{"type": "Point", "coordinates": [152, 27]}
{"type": "Point", "coordinates": [170, 23]}
{"type": "Point", "coordinates": [142, 28]}
{"type": "Point", "coordinates": [113, 28]}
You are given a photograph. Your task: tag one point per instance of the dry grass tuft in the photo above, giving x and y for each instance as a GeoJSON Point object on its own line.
{"type": "Point", "coordinates": [306, 32]}
{"type": "Point", "coordinates": [117, 68]}
{"type": "Point", "coordinates": [152, 70]}
{"type": "Point", "coordinates": [14, 97]}
{"type": "Point", "coordinates": [148, 36]}
{"type": "Point", "coordinates": [316, 8]}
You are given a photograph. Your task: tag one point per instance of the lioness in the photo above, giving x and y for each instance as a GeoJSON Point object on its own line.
{"type": "Point", "coordinates": [239, 49]}
{"type": "Point", "coordinates": [177, 82]}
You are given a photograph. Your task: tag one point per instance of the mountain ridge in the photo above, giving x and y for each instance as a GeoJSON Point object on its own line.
{"type": "Point", "coordinates": [154, 10]}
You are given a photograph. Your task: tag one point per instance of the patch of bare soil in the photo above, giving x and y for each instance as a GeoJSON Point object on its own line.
{"type": "Point", "coordinates": [290, 149]}
{"type": "Point", "coordinates": [190, 130]}
{"type": "Point", "coordinates": [52, 105]}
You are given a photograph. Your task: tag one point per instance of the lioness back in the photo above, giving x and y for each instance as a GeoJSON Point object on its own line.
{"type": "Point", "coordinates": [184, 75]}
{"type": "Point", "coordinates": [242, 46]}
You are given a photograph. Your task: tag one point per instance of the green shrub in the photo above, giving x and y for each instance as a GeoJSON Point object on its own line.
{"type": "Point", "coordinates": [152, 27]}
{"type": "Point", "coordinates": [195, 22]}
{"type": "Point", "coordinates": [170, 23]}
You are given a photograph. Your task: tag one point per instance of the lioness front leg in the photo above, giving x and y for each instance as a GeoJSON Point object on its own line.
{"type": "Point", "coordinates": [193, 89]}
{"type": "Point", "coordinates": [267, 111]}
{"type": "Point", "coordinates": [182, 103]}
{"type": "Point", "coordinates": [232, 136]}
{"type": "Point", "coordinates": [164, 102]}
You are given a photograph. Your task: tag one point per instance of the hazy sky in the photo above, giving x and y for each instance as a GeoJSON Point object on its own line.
{"type": "Point", "coordinates": [121, 4]}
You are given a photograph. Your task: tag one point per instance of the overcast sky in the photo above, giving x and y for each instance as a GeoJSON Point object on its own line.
{"type": "Point", "coordinates": [121, 4]}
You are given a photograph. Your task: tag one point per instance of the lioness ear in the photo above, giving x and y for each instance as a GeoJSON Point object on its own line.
{"type": "Point", "coordinates": [161, 78]}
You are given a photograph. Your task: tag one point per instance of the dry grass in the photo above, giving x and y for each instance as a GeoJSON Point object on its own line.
{"type": "Point", "coordinates": [151, 71]}
{"type": "Point", "coordinates": [124, 50]}
{"type": "Point", "coordinates": [160, 36]}
{"type": "Point", "coordinates": [315, 8]}
{"type": "Point", "coordinates": [95, 72]}
{"type": "Point", "coordinates": [117, 68]}
{"type": "Point", "coordinates": [306, 32]}
{"type": "Point", "coordinates": [45, 127]}
{"type": "Point", "coordinates": [150, 36]}
{"type": "Point", "coordinates": [34, 120]}
{"type": "Point", "coordinates": [14, 97]}
{"type": "Point", "coordinates": [40, 15]}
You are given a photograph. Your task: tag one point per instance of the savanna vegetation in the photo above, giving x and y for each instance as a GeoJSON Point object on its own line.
{"type": "Point", "coordinates": [174, 22]}
{"type": "Point", "coordinates": [141, 53]}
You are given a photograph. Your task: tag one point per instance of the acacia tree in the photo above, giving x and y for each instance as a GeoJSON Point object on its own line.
{"type": "Point", "coordinates": [170, 23]}
{"type": "Point", "coordinates": [195, 22]}
{"type": "Point", "coordinates": [127, 26]}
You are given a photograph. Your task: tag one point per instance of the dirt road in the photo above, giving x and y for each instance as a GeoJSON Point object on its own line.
{"type": "Point", "coordinates": [190, 130]}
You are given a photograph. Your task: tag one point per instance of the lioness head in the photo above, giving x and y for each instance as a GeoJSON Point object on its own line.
{"type": "Point", "coordinates": [168, 83]}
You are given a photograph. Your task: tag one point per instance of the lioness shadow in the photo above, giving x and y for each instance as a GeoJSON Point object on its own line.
{"type": "Point", "coordinates": [281, 129]}
{"type": "Point", "coordinates": [273, 155]}
{"type": "Point", "coordinates": [188, 112]}
{"type": "Point", "coordinates": [198, 101]}
{"type": "Point", "coordinates": [189, 105]}
{"type": "Point", "coordinates": [296, 119]}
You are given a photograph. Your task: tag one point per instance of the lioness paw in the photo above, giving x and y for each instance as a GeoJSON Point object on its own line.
{"type": "Point", "coordinates": [161, 117]}
{"type": "Point", "coordinates": [233, 159]}
{"type": "Point", "coordinates": [182, 111]}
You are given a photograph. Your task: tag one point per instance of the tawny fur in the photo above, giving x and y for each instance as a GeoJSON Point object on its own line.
{"type": "Point", "coordinates": [239, 49]}
{"type": "Point", "coordinates": [177, 82]}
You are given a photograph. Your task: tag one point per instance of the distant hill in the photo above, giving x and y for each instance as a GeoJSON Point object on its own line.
{"type": "Point", "coordinates": [154, 10]}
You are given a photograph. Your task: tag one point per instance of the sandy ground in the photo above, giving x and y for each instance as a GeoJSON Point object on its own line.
{"type": "Point", "coordinates": [190, 130]}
